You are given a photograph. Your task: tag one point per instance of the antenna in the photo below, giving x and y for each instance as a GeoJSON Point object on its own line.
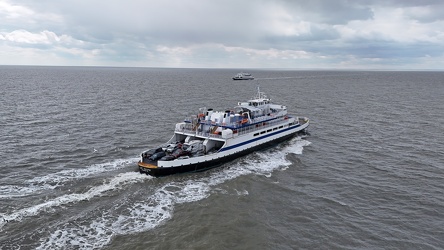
{"type": "Point", "coordinates": [260, 95]}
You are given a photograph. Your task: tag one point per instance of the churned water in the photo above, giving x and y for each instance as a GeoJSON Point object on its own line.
{"type": "Point", "coordinates": [370, 175]}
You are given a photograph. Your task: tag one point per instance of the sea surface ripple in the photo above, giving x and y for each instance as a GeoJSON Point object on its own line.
{"type": "Point", "coordinates": [369, 176]}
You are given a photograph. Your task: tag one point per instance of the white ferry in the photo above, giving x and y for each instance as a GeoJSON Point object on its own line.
{"type": "Point", "coordinates": [243, 76]}
{"type": "Point", "coordinates": [210, 138]}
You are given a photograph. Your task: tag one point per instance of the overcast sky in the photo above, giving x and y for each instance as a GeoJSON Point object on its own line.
{"type": "Point", "coordinates": [309, 34]}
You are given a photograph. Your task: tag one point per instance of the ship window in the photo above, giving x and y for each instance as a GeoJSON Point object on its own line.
{"type": "Point", "coordinates": [256, 134]}
{"type": "Point", "coordinates": [281, 126]}
{"type": "Point", "coordinates": [275, 129]}
{"type": "Point", "coordinates": [269, 130]}
{"type": "Point", "coordinates": [263, 132]}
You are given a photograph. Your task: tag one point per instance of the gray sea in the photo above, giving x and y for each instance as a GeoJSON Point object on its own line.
{"type": "Point", "coordinates": [369, 176]}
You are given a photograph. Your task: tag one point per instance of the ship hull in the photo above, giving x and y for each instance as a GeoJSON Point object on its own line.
{"type": "Point", "coordinates": [216, 162]}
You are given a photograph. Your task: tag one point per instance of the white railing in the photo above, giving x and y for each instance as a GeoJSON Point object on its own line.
{"type": "Point", "coordinates": [238, 129]}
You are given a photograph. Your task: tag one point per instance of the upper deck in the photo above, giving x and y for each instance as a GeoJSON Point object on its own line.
{"type": "Point", "coordinates": [214, 130]}
{"type": "Point", "coordinates": [253, 115]}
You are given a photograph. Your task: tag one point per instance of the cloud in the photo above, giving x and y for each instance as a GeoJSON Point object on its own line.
{"type": "Point", "coordinates": [43, 38]}
{"type": "Point", "coordinates": [15, 16]}
{"type": "Point", "coordinates": [10, 11]}
{"type": "Point", "coordinates": [197, 33]}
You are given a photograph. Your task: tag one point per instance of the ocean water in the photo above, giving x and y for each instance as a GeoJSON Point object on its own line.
{"type": "Point", "coordinates": [370, 175]}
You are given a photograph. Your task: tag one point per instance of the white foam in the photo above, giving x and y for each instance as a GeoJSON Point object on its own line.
{"type": "Point", "coordinates": [9, 191]}
{"type": "Point", "coordinates": [116, 183]}
{"type": "Point", "coordinates": [241, 193]}
{"type": "Point", "coordinates": [142, 216]}
{"type": "Point", "coordinates": [158, 208]}
{"type": "Point", "coordinates": [296, 145]}
{"type": "Point", "coordinates": [54, 180]}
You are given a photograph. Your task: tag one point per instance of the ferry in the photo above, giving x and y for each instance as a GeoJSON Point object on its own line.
{"type": "Point", "coordinates": [210, 138]}
{"type": "Point", "coordinates": [243, 76]}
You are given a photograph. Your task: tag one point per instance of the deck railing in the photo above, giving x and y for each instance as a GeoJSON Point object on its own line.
{"type": "Point", "coordinates": [237, 128]}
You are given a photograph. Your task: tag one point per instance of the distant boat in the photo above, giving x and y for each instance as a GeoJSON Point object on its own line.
{"type": "Point", "coordinates": [243, 76]}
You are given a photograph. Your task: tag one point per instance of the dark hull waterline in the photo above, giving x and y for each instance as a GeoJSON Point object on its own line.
{"type": "Point", "coordinates": [202, 166]}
